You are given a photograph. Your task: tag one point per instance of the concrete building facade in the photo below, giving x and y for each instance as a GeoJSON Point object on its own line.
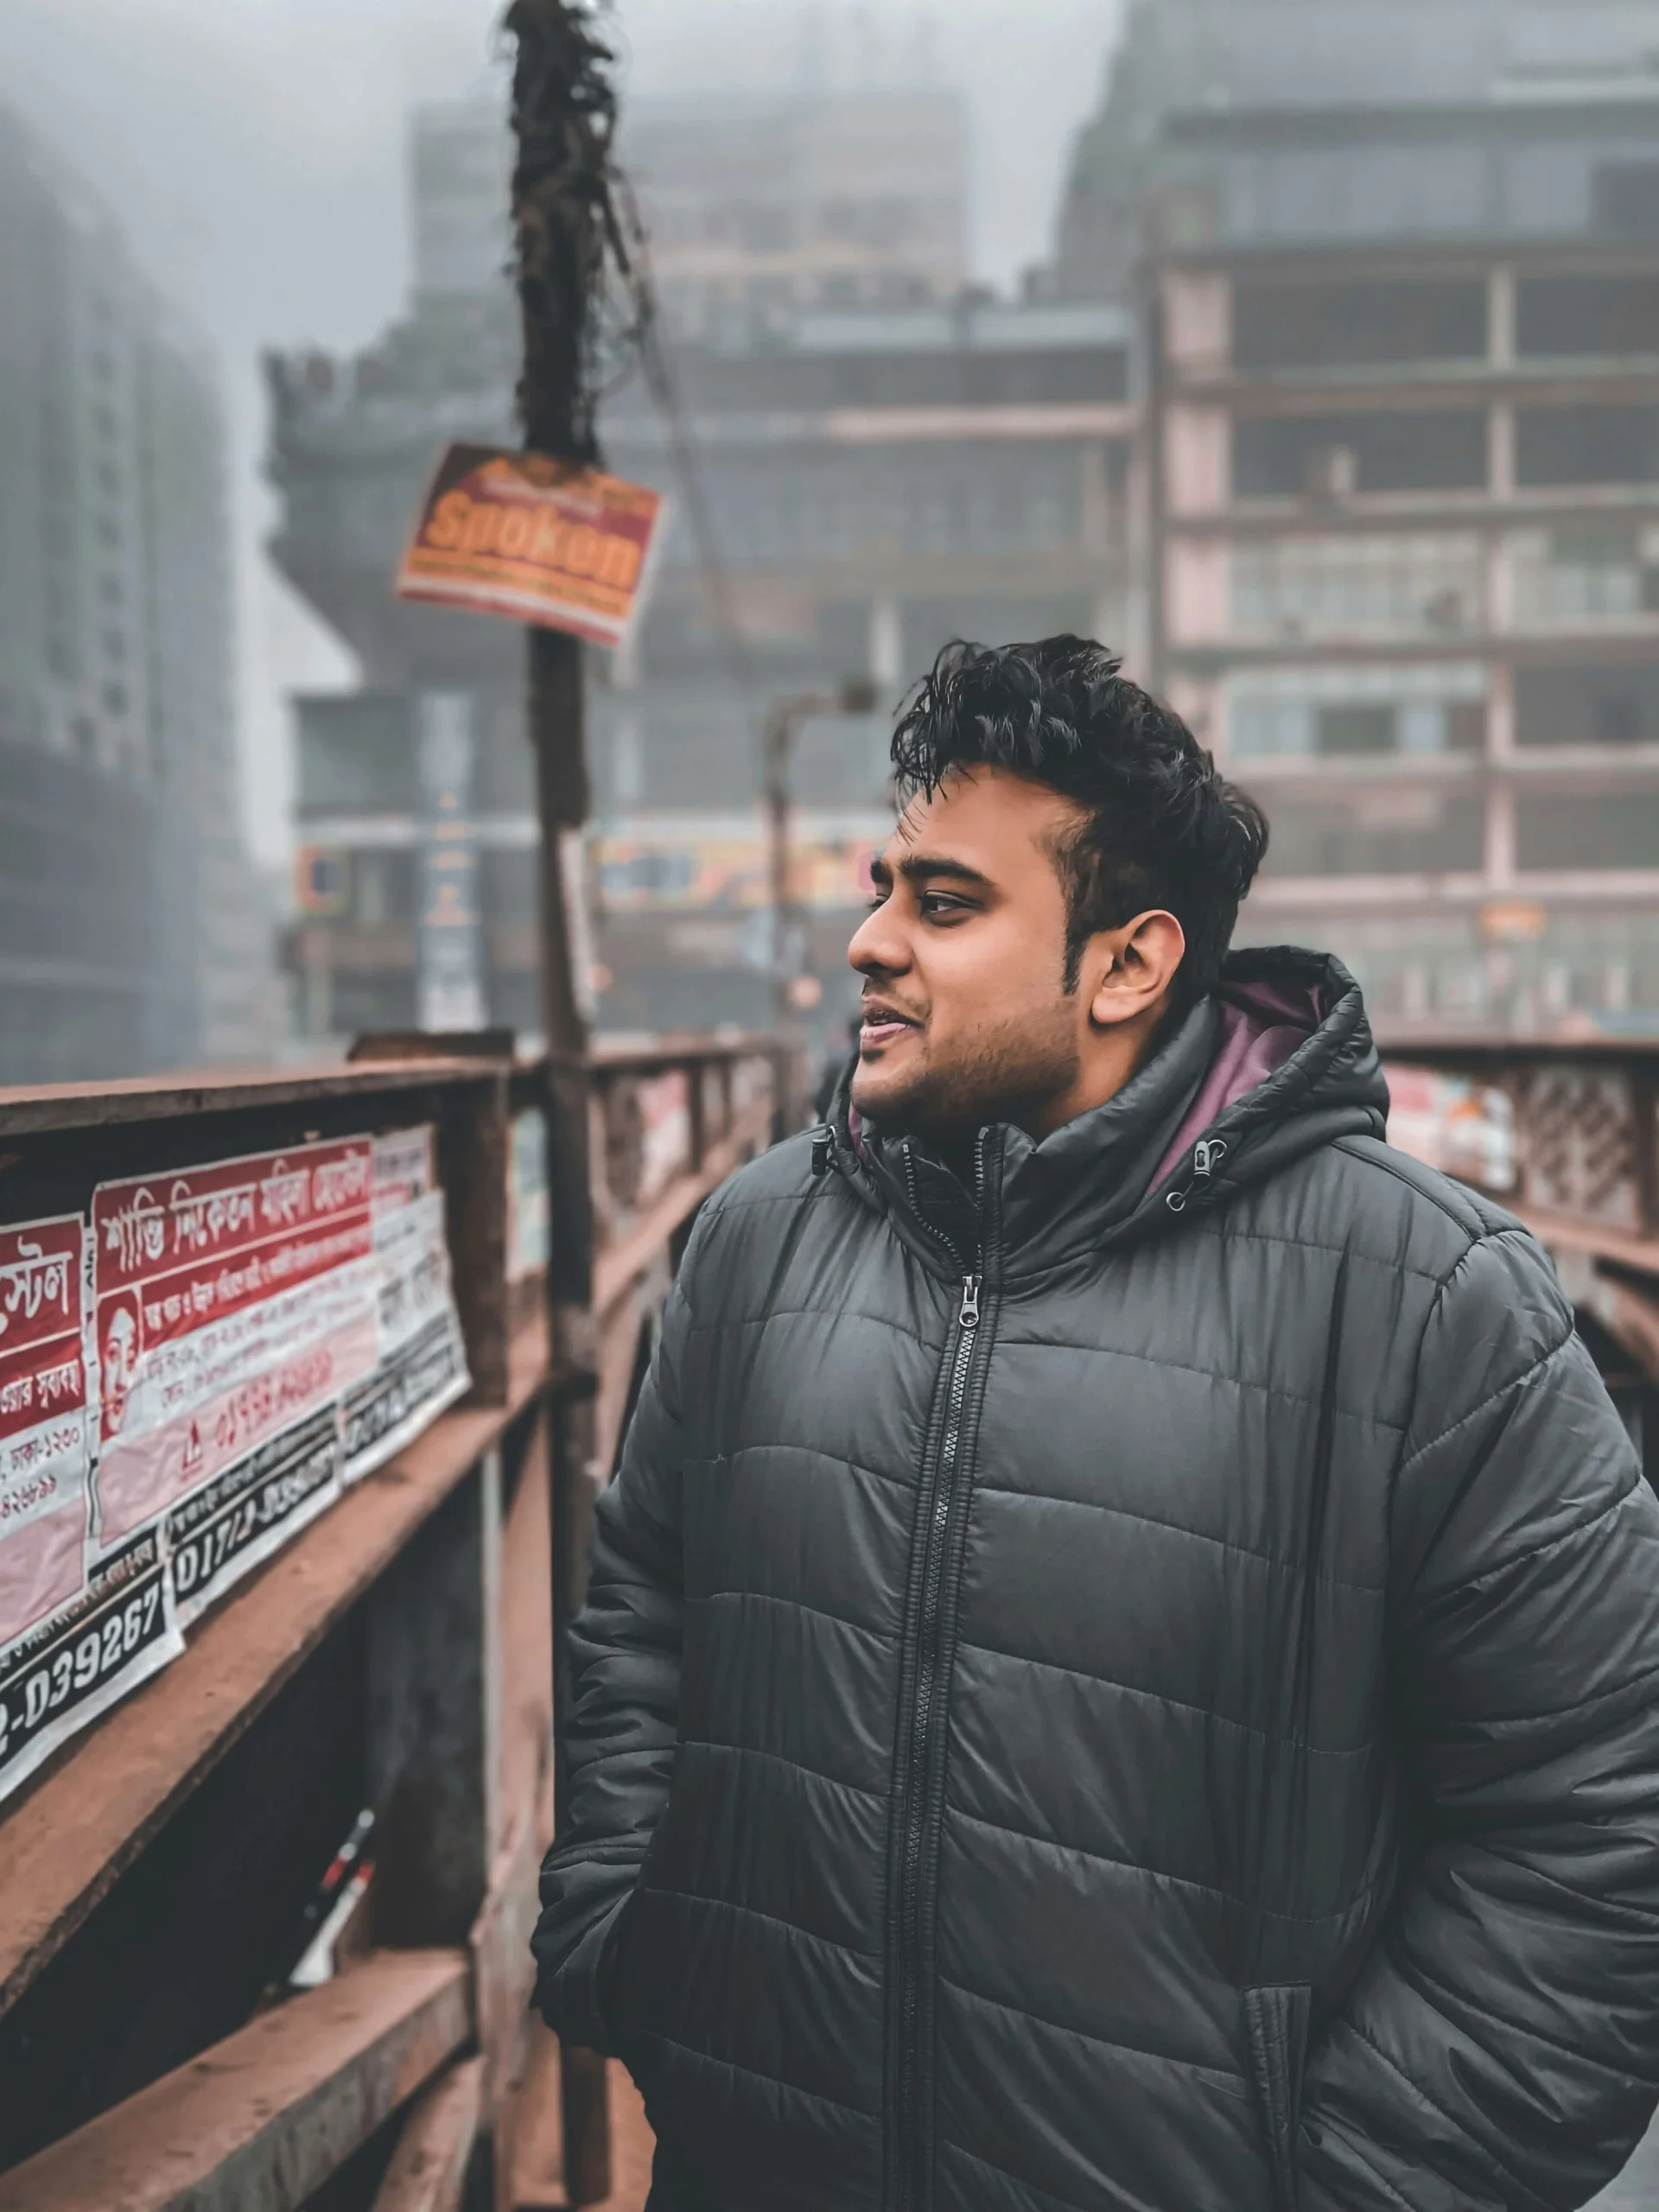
{"type": "Point", "coordinates": [129, 939]}
{"type": "Point", "coordinates": [1398, 276]}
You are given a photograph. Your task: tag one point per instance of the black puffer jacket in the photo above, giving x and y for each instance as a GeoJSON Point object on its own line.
{"type": "Point", "coordinates": [1113, 1694]}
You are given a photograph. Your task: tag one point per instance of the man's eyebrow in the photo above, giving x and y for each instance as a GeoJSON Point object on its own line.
{"type": "Point", "coordinates": [924, 868]}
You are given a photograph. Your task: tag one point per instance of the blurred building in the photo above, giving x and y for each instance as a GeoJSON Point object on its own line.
{"type": "Point", "coordinates": [760, 208]}
{"type": "Point", "coordinates": [1399, 274]}
{"type": "Point", "coordinates": [130, 937]}
{"type": "Point", "coordinates": [352, 445]}
{"type": "Point", "coordinates": [880, 478]}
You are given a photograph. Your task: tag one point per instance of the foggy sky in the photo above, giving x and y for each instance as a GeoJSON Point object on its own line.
{"type": "Point", "coordinates": [253, 152]}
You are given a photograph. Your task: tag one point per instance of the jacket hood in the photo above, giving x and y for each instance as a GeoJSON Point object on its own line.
{"type": "Point", "coordinates": [1278, 1062]}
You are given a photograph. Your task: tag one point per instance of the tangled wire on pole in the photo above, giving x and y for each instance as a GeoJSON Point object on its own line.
{"type": "Point", "coordinates": [578, 271]}
{"type": "Point", "coordinates": [584, 269]}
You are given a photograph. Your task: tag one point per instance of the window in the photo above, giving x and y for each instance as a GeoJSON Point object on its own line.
{"type": "Point", "coordinates": [1598, 705]}
{"type": "Point", "coordinates": [1314, 326]}
{"type": "Point", "coordinates": [1586, 445]}
{"type": "Point", "coordinates": [1291, 458]}
{"type": "Point", "coordinates": [382, 888]}
{"type": "Point", "coordinates": [1569, 830]}
{"type": "Point", "coordinates": [1626, 199]}
{"type": "Point", "coordinates": [1337, 713]}
{"type": "Point", "coordinates": [1406, 832]}
{"type": "Point", "coordinates": [1605, 571]}
{"type": "Point", "coordinates": [1569, 315]}
{"type": "Point", "coordinates": [1310, 587]}
{"type": "Point", "coordinates": [1342, 731]}
{"type": "Point", "coordinates": [355, 752]}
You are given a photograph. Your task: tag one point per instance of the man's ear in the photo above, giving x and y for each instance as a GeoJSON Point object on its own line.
{"type": "Point", "coordinates": [1134, 968]}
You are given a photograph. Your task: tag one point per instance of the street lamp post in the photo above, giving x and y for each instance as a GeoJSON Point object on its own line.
{"type": "Point", "coordinates": [784, 719]}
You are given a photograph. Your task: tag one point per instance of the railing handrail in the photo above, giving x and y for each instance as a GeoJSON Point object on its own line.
{"type": "Point", "coordinates": [35, 1110]}
{"type": "Point", "coordinates": [1438, 1048]}
{"type": "Point", "coordinates": [668, 1053]}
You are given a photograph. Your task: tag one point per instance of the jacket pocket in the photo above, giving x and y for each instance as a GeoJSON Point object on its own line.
{"type": "Point", "coordinates": [1276, 2024]}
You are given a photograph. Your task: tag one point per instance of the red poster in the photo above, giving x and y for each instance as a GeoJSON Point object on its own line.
{"type": "Point", "coordinates": [44, 1446]}
{"type": "Point", "coordinates": [231, 1302]}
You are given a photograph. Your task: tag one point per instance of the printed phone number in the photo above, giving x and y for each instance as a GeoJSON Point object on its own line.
{"type": "Point", "coordinates": [199, 1558]}
{"type": "Point", "coordinates": [80, 1667]}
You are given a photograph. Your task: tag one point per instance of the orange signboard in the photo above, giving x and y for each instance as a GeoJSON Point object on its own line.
{"type": "Point", "coordinates": [535, 539]}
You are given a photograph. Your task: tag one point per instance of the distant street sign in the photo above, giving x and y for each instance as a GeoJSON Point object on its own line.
{"type": "Point", "coordinates": [1513, 921]}
{"type": "Point", "coordinates": [534, 539]}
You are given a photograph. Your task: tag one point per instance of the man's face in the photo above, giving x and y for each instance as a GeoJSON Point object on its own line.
{"type": "Point", "coordinates": [967, 1018]}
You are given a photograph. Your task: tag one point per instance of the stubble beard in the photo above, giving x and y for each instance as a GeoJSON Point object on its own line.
{"type": "Point", "coordinates": [1008, 1073]}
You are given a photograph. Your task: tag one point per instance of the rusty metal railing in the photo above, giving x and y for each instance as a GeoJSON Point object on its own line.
{"type": "Point", "coordinates": [396, 1654]}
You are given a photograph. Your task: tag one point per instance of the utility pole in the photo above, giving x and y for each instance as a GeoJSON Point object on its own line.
{"type": "Point", "coordinates": [564, 117]}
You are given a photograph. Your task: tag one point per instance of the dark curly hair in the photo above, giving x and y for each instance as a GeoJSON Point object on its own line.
{"type": "Point", "coordinates": [1163, 828]}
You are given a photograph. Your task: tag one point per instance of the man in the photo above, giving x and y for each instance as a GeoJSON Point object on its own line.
{"type": "Point", "coordinates": [1121, 1668]}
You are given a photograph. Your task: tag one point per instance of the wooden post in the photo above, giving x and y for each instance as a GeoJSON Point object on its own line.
{"type": "Point", "coordinates": [564, 113]}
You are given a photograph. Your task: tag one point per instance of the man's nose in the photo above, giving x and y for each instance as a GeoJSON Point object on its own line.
{"type": "Point", "coordinates": [879, 945]}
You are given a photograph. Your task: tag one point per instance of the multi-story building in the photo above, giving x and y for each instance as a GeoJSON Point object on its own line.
{"type": "Point", "coordinates": [761, 207]}
{"type": "Point", "coordinates": [880, 479]}
{"type": "Point", "coordinates": [130, 934]}
{"type": "Point", "coordinates": [1402, 302]}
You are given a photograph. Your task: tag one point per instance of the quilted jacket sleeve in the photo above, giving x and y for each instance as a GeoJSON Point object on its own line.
{"type": "Point", "coordinates": [625, 1649]}
{"type": "Point", "coordinates": [1501, 2048]}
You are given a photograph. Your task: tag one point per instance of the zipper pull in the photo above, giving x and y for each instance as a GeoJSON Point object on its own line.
{"type": "Point", "coordinates": [969, 1315]}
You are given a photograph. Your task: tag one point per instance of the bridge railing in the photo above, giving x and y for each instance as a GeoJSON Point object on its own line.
{"type": "Point", "coordinates": [1566, 1136]}
{"type": "Point", "coordinates": [281, 1732]}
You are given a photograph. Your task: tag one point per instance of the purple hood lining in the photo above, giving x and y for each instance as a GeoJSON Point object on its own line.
{"type": "Point", "coordinates": [1263, 1025]}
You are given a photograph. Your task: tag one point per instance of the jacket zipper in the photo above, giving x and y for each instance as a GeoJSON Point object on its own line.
{"type": "Point", "coordinates": [924, 1715]}
{"type": "Point", "coordinates": [1206, 1158]}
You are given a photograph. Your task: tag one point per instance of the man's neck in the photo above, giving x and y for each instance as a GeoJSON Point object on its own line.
{"type": "Point", "coordinates": [1116, 1057]}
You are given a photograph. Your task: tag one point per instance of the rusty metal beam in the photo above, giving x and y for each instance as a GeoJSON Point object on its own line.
{"type": "Point", "coordinates": [1577, 1233]}
{"type": "Point", "coordinates": [67, 1842]}
{"type": "Point", "coordinates": [535, 2135]}
{"type": "Point", "coordinates": [261, 2121]}
{"type": "Point", "coordinates": [428, 2171]}
{"type": "Point", "coordinates": [52, 1106]}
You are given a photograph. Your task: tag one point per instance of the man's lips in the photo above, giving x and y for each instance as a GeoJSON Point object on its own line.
{"type": "Point", "coordinates": [882, 1025]}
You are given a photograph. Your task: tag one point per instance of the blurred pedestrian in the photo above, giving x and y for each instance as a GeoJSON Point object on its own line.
{"type": "Point", "coordinates": [1123, 1661]}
